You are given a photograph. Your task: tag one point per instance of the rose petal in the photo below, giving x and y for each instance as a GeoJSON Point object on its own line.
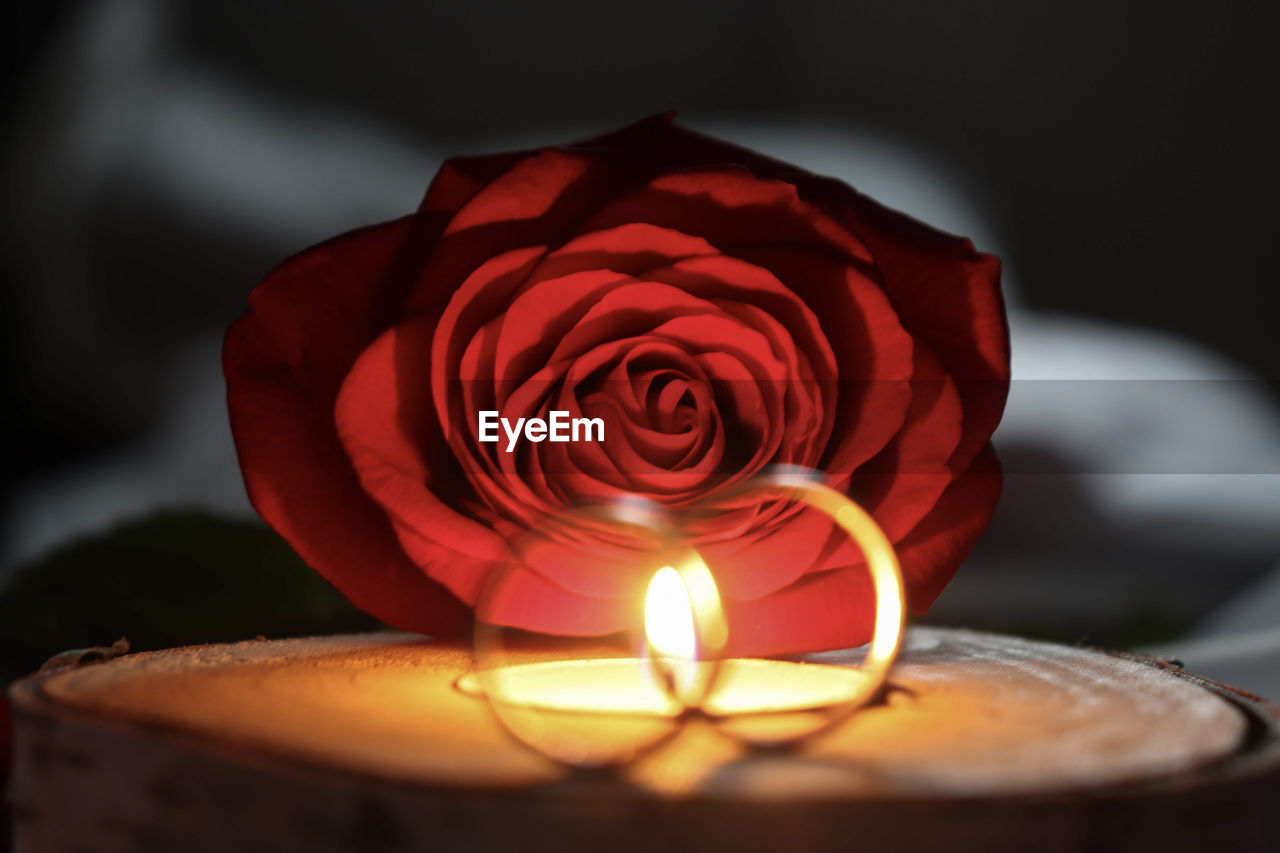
{"type": "Point", "coordinates": [284, 361]}
{"type": "Point", "coordinates": [594, 569]}
{"type": "Point", "coordinates": [612, 461]}
{"type": "Point", "coordinates": [480, 298]}
{"type": "Point", "coordinates": [902, 484]}
{"type": "Point", "coordinates": [836, 609]}
{"type": "Point", "coordinates": [731, 207]}
{"type": "Point", "coordinates": [460, 178]}
{"type": "Point", "coordinates": [947, 293]}
{"type": "Point", "coordinates": [934, 549]}
{"type": "Point", "coordinates": [759, 565]}
{"type": "Point", "coordinates": [629, 310]}
{"type": "Point", "coordinates": [523, 598]}
{"type": "Point", "coordinates": [540, 317]}
{"type": "Point", "coordinates": [873, 353]}
{"type": "Point", "coordinates": [537, 202]}
{"type": "Point", "coordinates": [385, 423]}
{"type": "Point", "coordinates": [631, 248]}
{"type": "Point", "coordinates": [831, 610]}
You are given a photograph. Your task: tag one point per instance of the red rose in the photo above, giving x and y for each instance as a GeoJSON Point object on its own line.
{"type": "Point", "coordinates": [719, 311]}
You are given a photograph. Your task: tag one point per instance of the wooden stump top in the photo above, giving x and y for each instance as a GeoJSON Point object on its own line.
{"type": "Point", "coordinates": [976, 718]}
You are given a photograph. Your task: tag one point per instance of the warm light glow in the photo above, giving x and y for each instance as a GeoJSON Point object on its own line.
{"type": "Point", "coordinates": [594, 686]}
{"type": "Point", "coordinates": [606, 710]}
{"type": "Point", "coordinates": [685, 630]}
{"type": "Point", "coordinates": [619, 686]}
{"type": "Point", "coordinates": [886, 577]}
{"type": "Point", "coordinates": [668, 617]}
{"type": "Point", "coordinates": [886, 581]}
{"type": "Point", "coordinates": [877, 550]}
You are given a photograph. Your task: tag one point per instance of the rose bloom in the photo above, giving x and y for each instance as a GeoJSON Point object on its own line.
{"type": "Point", "coordinates": [720, 311]}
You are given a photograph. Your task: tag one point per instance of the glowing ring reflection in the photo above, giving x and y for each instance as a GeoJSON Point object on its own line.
{"type": "Point", "coordinates": [800, 485]}
{"type": "Point", "coordinates": [769, 722]}
{"type": "Point", "coordinates": [592, 736]}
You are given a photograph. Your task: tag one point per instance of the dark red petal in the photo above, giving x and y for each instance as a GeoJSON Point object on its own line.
{"type": "Point", "coordinates": [537, 202]}
{"type": "Point", "coordinates": [836, 609]}
{"type": "Point", "coordinates": [904, 481]}
{"type": "Point", "coordinates": [483, 296]}
{"type": "Point", "coordinates": [460, 178]}
{"type": "Point", "coordinates": [757, 565]}
{"type": "Point", "coordinates": [757, 299]}
{"type": "Point", "coordinates": [508, 482]}
{"type": "Point", "coordinates": [388, 428]}
{"type": "Point", "coordinates": [932, 552]}
{"type": "Point", "coordinates": [828, 610]}
{"type": "Point", "coordinates": [831, 610]}
{"type": "Point", "coordinates": [614, 467]}
{"type": "Point", "coordinates": [523, 598]}
{"type": "Point", "coordinates": [874, 355]}
{"type": "Point", "coordinates": [948, 295]}
{"type": "Point", "coordinates": [631, 248]}
{"type": "Point", "coordinates": [631, 309]}
{"type": "Point", "coordinates": [725, 279]}
{"type": "Point", "coordinates": [731, 208]}
{"type": "Point", "coordinates": [539, 318]}
{"type": "Point", "coordinates": [597, 570]}
{"type": "Point", "coordinates": [284, 362]}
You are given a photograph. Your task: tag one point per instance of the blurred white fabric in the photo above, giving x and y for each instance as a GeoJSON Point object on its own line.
{"type": "Point", "coordinates": [1172, 455]}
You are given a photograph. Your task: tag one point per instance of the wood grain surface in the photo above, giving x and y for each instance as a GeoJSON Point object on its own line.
{"type": "Point", "coordinates": [363, 742]}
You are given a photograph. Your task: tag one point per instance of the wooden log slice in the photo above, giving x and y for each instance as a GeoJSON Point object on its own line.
{"type": "Point", "coordinates": [364, 743]}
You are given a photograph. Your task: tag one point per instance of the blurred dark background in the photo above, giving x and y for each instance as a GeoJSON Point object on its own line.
{"type": "Point", "coordinates": [160, 157]}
